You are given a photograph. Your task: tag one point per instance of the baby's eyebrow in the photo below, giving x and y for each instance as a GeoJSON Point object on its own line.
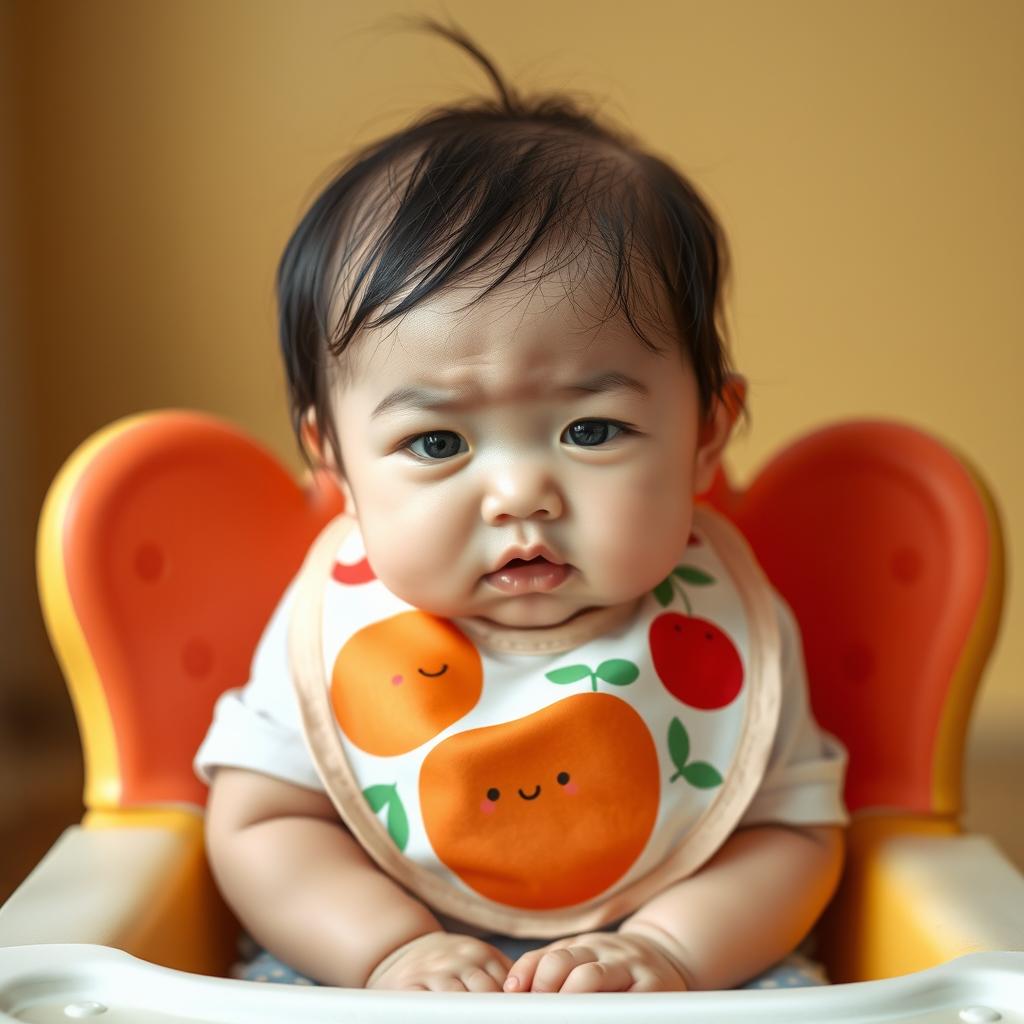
{"type": "Point", "coordinates": [412, 397]}
{"type": "Point", "coordinates": [609, 382]}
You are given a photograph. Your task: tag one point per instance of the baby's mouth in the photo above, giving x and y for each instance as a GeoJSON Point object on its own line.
{"type": "Point", "coordinates": [535, 576]}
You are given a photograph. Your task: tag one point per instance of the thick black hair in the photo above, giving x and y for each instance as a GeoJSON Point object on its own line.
{"type": "Point", "coordinates": [471, 192]}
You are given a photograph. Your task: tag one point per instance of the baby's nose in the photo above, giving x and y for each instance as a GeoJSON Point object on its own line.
{"type": "Point", "coordinates": [521, 493]}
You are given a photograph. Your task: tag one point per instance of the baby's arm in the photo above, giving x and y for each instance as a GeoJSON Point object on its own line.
{"type": "Point", "coordinates": [304, 888]}
{"type": "Point", "coordinates": [747, 908]}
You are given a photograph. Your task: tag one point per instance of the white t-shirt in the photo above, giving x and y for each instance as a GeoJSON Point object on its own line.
{"type": "Point", "coordinates": [258, 727]}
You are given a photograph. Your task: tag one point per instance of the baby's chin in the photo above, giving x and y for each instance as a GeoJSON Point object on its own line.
{"type": "Point", "coordinates": [522, 611]}
{"type": "Point", "coordinates": [533, 611]}
{"type": "Point", "coordinates": [528, 611]}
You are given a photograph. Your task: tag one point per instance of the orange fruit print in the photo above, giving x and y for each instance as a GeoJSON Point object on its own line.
{"type": "Point", "coordinates": [399, 682]}
{"type": "Point", "coordinates": [548, 810]}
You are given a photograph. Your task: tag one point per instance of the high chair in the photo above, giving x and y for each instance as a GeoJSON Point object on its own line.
{"type": "Point", "coordinates": [166, 541]}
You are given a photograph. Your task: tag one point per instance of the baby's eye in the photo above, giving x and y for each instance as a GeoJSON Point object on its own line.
{"type": "Point", "coordinates": [437, 445]}
{"type": "Point", "coordinates": [590, 433]}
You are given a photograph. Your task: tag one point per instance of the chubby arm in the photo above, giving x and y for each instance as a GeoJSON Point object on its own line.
{"type": "Point", "coordinates": [747, 908]}
{"type": "Point", "coordinates": [300, 883]}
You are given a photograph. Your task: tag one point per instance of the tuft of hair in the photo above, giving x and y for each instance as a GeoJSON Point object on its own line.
{"type": "Point", "coordinates": [475, 192]}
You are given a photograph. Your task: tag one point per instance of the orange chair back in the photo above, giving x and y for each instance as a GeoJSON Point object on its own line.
{"type": "Point", "coordinates": [888, 548]}
{"type": "Point", "coordinates": [164, 545]}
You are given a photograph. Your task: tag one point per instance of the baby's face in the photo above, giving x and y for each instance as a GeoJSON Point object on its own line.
{"type": "Point", "coordinates": [514, 463]}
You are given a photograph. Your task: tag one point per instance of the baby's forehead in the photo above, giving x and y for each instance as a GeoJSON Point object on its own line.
{"type": "Point", "coordinates": [512, 339]}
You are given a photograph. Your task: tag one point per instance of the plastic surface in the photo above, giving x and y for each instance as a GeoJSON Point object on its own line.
{"type": "Point", "coordinates": [164, 544]}
{"type": "Point", "coordinates": [888, 548]}
{"type": "Point", "coordinates": [54, 984]}
{"type": "Point", "coordinates": [915, 893]}
{"type": "Point", "coordinates": [142, 886]}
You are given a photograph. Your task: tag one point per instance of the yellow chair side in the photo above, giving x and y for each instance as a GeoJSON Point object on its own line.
{"type": "Point", "coordinates": [102, 771]}
{"type": "Point", "coordinates": [916, 893]}
{"type": "Point", "coordinates": [185, 924]}
{"type": "Point", "coordinates": [948, 757]}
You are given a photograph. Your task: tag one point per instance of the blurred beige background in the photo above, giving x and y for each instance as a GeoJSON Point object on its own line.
{"type": "Point", "coordinates": [866, 158]}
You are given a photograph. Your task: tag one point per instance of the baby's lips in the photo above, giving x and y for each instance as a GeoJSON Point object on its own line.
{"type": "Point", "coordinates": [537, 577]}
{"type": "Point", "coordinates": [526, 553]}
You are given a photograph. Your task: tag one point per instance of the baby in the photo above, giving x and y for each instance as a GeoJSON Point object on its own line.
{"type": "Point", "coordinates": [501, 333]}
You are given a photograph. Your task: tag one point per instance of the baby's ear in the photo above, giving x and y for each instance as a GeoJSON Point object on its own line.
{"type": "Point", "coordinates": [716, 430]}
{"type": "Point", "coordinates": [321, 454]}
{"type": "Point", "coordinates": [318, 449]}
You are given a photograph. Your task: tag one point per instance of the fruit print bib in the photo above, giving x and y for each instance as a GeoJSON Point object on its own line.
{"type": "Point", "coordinates": [544, 782]}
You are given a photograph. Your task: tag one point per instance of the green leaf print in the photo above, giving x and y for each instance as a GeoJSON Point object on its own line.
{"type": "Point", "coordinates": [569, 674]}
{"type": "Point", "coordinates": [617, 671]}
{"type": "Point", "coordinates": [663, 592]}
{"type": "Point", "coordinates": [678, 745]}
{"type": "Point", "coordinates": [699, 774]}
{"type": "Point", "coordinates": [702, 775]}
{"type": "Point", "coordinates": [385, 795]}
{"type": "Point", "coordinates": [692, 575]}
{"type": "Point", "coordinates": [398, 823]}
{"type": "Point", "coordinates": [379, 796]}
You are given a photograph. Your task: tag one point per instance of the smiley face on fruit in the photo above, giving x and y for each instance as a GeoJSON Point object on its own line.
{"type": "Point", "coordinates": [399, 682]}
{"type": "Point", "coordinates": [548, 810]}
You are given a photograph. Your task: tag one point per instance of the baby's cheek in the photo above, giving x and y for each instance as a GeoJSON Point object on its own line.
{"type": "Point", "coordinates": [424, 572]}
{"type": "Point", "coordinates": [407, 573]}
{"type": "Point", "coordinates": [626, 559]}
{"type": "Point", "coordinates": [632, 560]}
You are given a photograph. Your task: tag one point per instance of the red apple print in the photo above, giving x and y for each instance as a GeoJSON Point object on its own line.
{"type": "Point", "coordinates": [352, 574]}
{"type": "Point", "coordinates": [695, 660]}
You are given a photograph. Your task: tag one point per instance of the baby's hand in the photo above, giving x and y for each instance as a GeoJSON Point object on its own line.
{"type": "Point", "coordinates": [442, 962]}
{"type": "Point", "coordinates": [597, 962]}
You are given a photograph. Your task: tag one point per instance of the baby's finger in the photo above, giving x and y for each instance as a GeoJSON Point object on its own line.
{"type": "Point", "coordinates": [445, 983]}
{"type": "Point", "coordinates": [476, 979]}
{"type": "Point", "coordinates": [498, 971]}
{"type": "Point", "coordinates": [598, 977]}
{"type": "Point", "coordinates": [520, 974]}
{"type": "Point", "coordinates": [556, 965]}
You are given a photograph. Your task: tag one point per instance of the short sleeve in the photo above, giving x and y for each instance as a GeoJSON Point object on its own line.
{"type": "Point", "coordinates": [803, 782]}
{"type": "Point", "coordinates": [258, 726]}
